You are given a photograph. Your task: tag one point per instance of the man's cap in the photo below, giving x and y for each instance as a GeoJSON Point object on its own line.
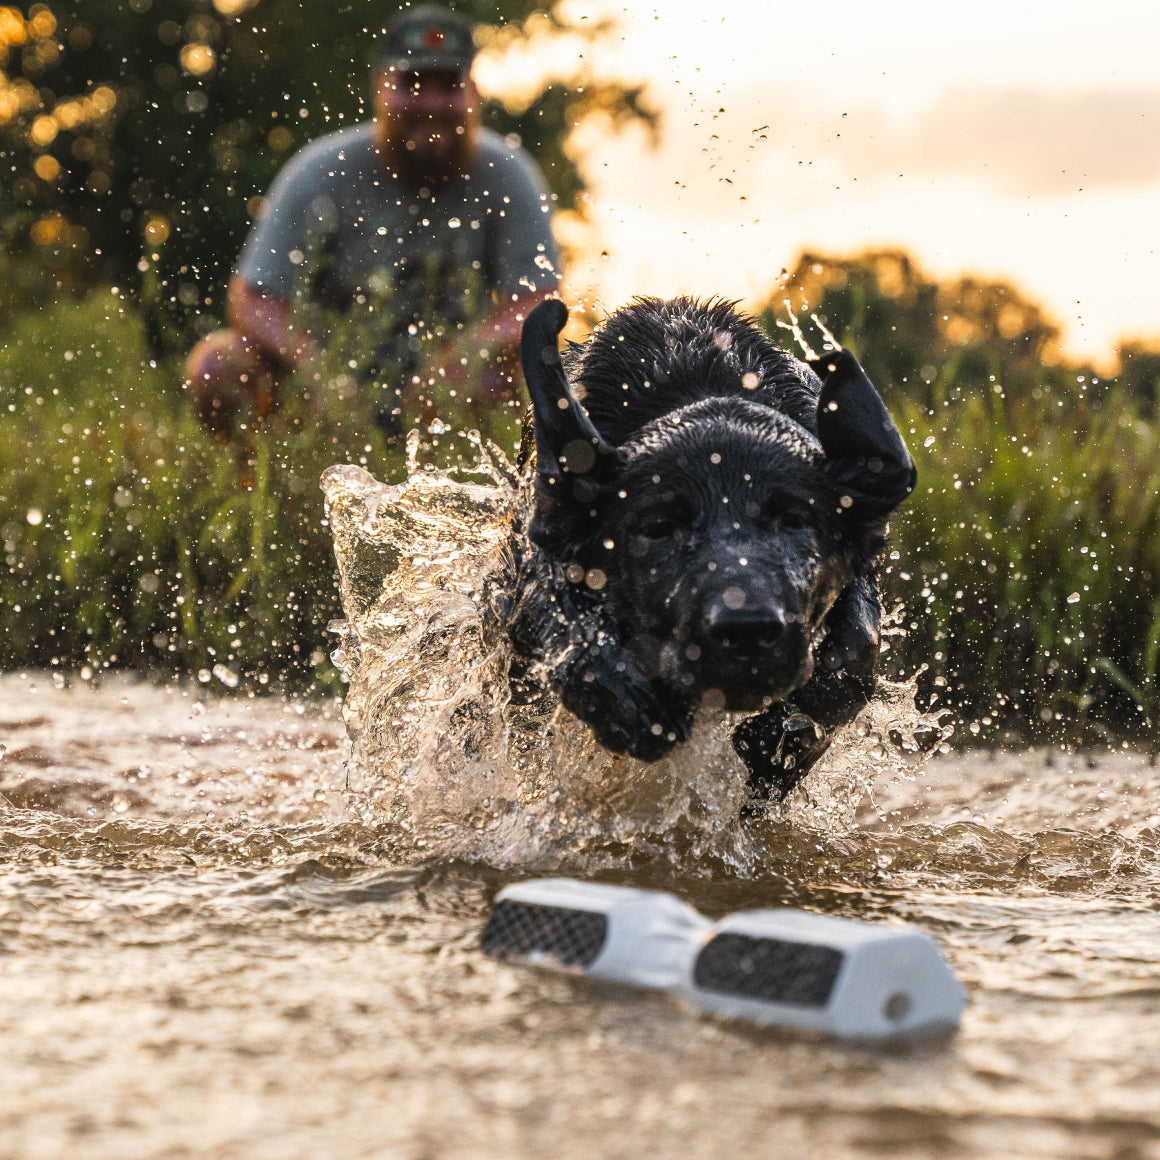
{"type": "Point", "coordinates": [428, 37]}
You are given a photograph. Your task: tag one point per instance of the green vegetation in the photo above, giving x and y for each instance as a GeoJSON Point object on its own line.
{"type": "Point", "coordinates": [1027, 563]}
{"type": "Point", "coordinates": [1028, 558]}
{"type": "Point", "coordinates": [1026, 566]}
{"type": "Point", "coordinates": [132, 538]}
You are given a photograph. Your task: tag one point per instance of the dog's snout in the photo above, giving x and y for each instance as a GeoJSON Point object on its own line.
{"type": "Point", "coordinates": [738, 621]}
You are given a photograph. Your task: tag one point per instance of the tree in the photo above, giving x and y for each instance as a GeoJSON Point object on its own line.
{"type": "Point", "coordinates": [909, 330]}
{"type": "Point", "coordinates": [1139, 371]}
{"type": "Point", "coordinates": [141, 134]}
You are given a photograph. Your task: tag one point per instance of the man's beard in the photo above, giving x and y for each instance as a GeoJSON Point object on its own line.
{"type": "Point", "coordinates": [427, 151]}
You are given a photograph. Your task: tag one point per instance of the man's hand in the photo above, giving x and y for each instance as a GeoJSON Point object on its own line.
{"type": "Point", "coordinates": [233, 376]}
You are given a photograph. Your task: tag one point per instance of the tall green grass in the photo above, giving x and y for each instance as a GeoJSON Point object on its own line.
{"type": "Point", "coordinates": [1028, 560]}
{"type": "Point", "coordinates": [1026, 565]}
{"type": "Point", "coordinates": [133, 538]}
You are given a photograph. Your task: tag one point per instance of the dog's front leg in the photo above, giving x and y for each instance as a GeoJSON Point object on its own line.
{"type": "Point", "coordinates": [779, 747]}
{"type": "Point", "coordinates": [595, 676]}
{"type": "Point", "coordinates": [603, 684]}
{"type": "Point", "coordinates": [782, 744]}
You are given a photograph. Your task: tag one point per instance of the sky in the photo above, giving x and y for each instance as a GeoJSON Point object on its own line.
{"type": "Point", "coordinates": [1009, 140]}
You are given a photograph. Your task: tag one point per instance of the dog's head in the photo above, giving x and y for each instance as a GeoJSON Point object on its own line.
{"type": "Point", "coordinates": [719, 536]}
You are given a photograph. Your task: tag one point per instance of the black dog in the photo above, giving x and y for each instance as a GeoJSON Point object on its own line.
{"type": "Point", "coordinates": [707, 519]}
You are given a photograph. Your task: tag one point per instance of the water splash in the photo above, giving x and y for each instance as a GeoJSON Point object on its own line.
{"type": "Point", "coordinates": [447, 755]}
{"type": "Point", "coordinates": [794, 327]}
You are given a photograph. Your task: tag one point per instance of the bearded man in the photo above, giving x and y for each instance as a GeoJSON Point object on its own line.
{"type": "Point", "coordinates": [434, 231]}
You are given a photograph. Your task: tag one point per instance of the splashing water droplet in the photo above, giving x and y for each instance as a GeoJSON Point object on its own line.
{"type": "Point", "coordinates": [445, 758]}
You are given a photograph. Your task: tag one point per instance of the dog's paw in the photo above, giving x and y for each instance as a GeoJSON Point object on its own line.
{"type": "Point", "coordinates": [779, 747]}
{"type": "Point", "coordinates": [624, 711]}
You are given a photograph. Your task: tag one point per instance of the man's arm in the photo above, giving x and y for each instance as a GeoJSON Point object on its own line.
{"type": "Point", "coordinates": [264, 323]}
{"type": "Point", "coordinates": [282, 244]}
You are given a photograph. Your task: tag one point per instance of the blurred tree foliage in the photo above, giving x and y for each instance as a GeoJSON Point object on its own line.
{"type": "Point", "coordinates": [921, 338]}
{"type": "Point", "coordinates": [1140, 373]}
{"type": "Point", "coordinates": [141, 134]}
{"type": "Point", "coordinates": [906, 328]}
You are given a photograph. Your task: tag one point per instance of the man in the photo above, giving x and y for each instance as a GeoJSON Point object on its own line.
{"type": "Point", "coordinates": [416, 224]}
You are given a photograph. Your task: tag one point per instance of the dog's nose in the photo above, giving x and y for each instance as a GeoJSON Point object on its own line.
{"type": "Point", "coordinates": [737, 621]}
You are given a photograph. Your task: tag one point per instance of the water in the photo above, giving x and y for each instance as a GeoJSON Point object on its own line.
{"type": "Point", "coordinates": [225, 930]}
{"type": "Point", "coordinates": [445, 753]}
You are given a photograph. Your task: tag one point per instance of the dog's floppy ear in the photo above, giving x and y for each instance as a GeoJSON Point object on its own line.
{"type": "Point", "coordinates": [865, 454]}
{"type": "Point", "coordinates": [566, 438]}
{"type": "Point", "coordinates": [573, 459]}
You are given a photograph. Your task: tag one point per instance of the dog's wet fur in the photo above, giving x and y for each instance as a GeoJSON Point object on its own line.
{"type": "Point", "coordinates": [708, 517]}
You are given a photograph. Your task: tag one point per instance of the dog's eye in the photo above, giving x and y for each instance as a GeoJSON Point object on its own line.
{"type": "Point", "coordinates": [788, 519]}
{"type": "Point", "coordinates": [657, 527]}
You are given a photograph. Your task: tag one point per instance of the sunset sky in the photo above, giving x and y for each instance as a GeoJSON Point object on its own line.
{"type": "Point", "coordinates": [1005, 139]}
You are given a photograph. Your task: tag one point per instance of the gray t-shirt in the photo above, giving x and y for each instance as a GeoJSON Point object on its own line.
{"type": "Point", "coordinates": [338, 229]}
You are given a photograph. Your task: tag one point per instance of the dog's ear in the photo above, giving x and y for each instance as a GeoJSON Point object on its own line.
{"type": "Point", "coordinates": [566, 438]}
{"type": "Point", "coordinates": [573, 460]}
{"type": "Point", "coordinates": [865, 454]}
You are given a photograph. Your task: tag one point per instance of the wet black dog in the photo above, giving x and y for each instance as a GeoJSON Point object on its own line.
{"type": "Point", "coordinates": [707, 521]}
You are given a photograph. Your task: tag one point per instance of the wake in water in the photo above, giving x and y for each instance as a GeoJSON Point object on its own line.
{"type": "Point", "coordinates": [443, 751]}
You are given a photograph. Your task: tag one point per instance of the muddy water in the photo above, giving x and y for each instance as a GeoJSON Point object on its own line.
{"type": "Point", "coordinates": [203, 954]}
